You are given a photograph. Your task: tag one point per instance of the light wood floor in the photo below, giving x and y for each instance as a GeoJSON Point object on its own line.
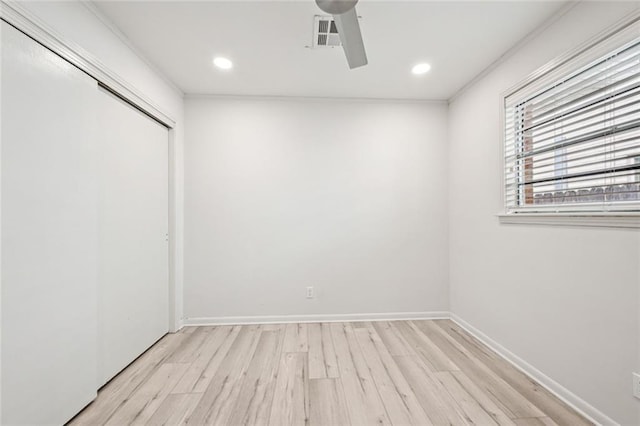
{"type": "Point", "coordinates": [377, 373]}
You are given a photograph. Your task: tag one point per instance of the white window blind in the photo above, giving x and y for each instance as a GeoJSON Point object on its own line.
{"type": "Point", "coordinates": [572, 143]}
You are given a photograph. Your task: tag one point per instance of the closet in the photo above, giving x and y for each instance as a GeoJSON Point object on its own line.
{"type": "Point", "coordinates": [83, 232]}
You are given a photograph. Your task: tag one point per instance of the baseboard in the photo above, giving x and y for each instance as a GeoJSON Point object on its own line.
{"type": "Point", "coordinates": [279, 319]}
{"type": "Point", "coordinates": [564, 394]}
{"type": "Point", "coordinates": [179, 326]}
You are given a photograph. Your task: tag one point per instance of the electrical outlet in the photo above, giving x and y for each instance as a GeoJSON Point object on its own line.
{"type": "Point", "coordinates": [636, 385]}
{"type": "Point", "coordinates": [310, 294]}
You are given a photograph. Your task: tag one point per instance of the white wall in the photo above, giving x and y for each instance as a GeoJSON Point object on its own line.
{"type": "Point", "coordinates": [346, 196]}
{"type": "Point", "coordinates": [563, 299]}
{"type": "Point", "coordinates": [83, 26]}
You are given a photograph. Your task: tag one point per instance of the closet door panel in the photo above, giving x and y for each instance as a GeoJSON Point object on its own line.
{"type": "Point", "coordinates": [133, 284]}
{"type": "Point", "coordinates": [49, 234]}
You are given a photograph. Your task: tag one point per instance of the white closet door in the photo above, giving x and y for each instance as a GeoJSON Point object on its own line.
{"type": "Point", "coordinates": [49, 234]}
{"type": "Point", "coordinates": [133, 280]}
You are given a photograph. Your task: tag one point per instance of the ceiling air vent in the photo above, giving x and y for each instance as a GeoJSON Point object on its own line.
{"type": "Point", "coordinates": [325, 32]}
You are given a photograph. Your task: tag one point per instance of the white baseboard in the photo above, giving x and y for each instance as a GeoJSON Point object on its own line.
{"type": "Point", "coordinates": [179, 326]}
{"type": "Point", "coordinates": [564, 394]}
{"type": "Point", "coordinates": [279, 319]}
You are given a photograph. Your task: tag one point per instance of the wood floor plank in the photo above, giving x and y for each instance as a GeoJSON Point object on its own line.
{"type": "Point", "coordinates": [213, 346]}
{"type": "Point", "coordinates": [322, 357]}
{"type": "Point", "coordinates": [399, 400]}
{"type": "Point", "coordinates": [291, 395]}
{"type": "Point", "coordinates": [394, 342]}
{"type": "Point", "coordinates": [329, 406]}
{"type": "Point", "coordinates": [487, 404]}
{"type": "Point", "coordinates": [253, 405]}
{"type": "Point", "coordinates": [361, 324]}
{"type": "Point", "coordinates": [330, 360]}
{"type": "Point", "coordinates": [191, 347]}
{"type": "Point", "coordinates": [203, 381]}
{"type": "Point", "coordinates": [296, 338]}
{"type": "Point", "coordinates": [435, 401]}
{"type": "Point", "coordinates": [473, 411]}
{"type": "Point", "coordinates": [144, 402]}
{"type": "Point", "coordinates": [365, 406]}
{"type": "Point", "coordinates": [175, 409]}
{"type": "Point", "coordinates": [535, 421]}
{"type": "Point", "coordinates": [504, 395]}
{"type": "Point", "coordinates": [433, 357]}
{"type": "Point", "coordinates": [219, 398]}
{"type": "Point", "coordinates": [115, 393]}
{"type": "Point", "coordinates": [438, 358]}
{"type": "Point", "coordinates": [530, 389]}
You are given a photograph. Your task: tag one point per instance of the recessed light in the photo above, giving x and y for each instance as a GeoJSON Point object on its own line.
{"type": "Point", "coordinates": [421, 69]}
{"type": "Point", "coordinates": [223, 63]}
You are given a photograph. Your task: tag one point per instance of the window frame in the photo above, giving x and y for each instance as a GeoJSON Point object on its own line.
{"type": "Point", "coordinates": [624, 31]}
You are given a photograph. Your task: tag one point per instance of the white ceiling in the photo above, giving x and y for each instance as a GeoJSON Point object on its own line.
{"type": "Point", "coordinates": [266, 41]}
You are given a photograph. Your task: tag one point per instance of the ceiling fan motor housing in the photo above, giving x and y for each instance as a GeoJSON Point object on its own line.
{"type": "Point", "coordinates": [336, 7]}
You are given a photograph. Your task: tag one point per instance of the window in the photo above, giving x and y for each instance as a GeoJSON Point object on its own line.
{"type": "Point", "coordinates": [572, 135]}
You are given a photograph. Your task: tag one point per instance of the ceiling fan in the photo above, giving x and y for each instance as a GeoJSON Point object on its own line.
{"type": "Point", "coordinates": [346, 19]}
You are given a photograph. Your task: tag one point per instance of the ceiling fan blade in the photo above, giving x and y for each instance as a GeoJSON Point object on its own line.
{"type": "Point", "coordinates": [351, 38]}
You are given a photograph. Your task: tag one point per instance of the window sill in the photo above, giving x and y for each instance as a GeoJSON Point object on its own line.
{"type": "Point", "coordinates": [601, 220]}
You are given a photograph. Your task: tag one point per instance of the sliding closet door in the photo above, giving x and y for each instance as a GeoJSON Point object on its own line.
{"type": "Point", "coordinates": [49, 234]}
{"type": "Point", "coordinates": [133, 284]}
